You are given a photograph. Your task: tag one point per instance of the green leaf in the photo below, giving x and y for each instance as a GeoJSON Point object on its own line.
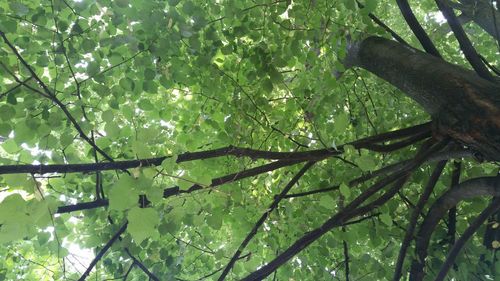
{"type": "Point", "coordinates": [88, 45]}
{"type": "Point", "coordinates": [19, 8]}
{"type": "Point", "coordinates": [366, 162]}
{"type": "Point", "coordinates": [340, 123]}
{"type": "Point", "coordinates": [123, 194]}
{"type": "Point", "coordinates": [345, 190]}
{"type": "Point", "coordinates": [386, 219]}
{"type": "Point", "coordinates": [327, 202]}
{"type": "Point", "coordinates": [215, 221]}
{"type": "Point", "coordinates": [142, 223]}
{"type": "Point", "coordinates": [267, 85]}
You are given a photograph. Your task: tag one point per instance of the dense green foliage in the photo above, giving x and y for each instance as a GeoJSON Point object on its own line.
{"type": "Point", "coordinates": [143, 79]}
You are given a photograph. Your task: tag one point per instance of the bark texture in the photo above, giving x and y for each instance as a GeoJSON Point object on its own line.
{"type": "Point", "coordinates": [463, 105]}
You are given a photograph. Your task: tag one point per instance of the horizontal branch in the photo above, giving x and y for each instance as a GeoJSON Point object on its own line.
{"type": "Point", "coordinates": [175, 190]}
{"type": "Point", "coordinates": [185, 157]}
{"type": "Point", "coordinates": [312, 155]}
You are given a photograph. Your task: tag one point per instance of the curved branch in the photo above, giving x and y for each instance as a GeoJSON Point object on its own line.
{"type": "Point", "coordinates": [464, 42]}
{"type": "Point", "coordinates": [473, 227]}
{"type": "Point", "coordinates": [417, 29]}
{"type": "Point", "coordinates": [54, 99]}
{"type": "Point", "coordinates": [486, 186]}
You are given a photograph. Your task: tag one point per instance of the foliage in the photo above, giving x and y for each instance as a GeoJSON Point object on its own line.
{"type": "Point", "coordinates": [99, 81]}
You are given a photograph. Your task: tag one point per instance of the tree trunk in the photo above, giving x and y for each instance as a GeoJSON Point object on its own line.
{"type": "Point", "coordinates": [463, 106]}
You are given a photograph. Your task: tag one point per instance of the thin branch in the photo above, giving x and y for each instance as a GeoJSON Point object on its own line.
{"type": "Point", "coordinates": [424, 197]}
{"type": "Point", "coordinates": [54, 99]}
{"type": "Point", "coordinates": [263, 218]}
{"type": "Point", "coordinates": [141, 266]}
{"type": "Point", "coordinates": [103, 251]}
{"type": "Point", "coordinates": [361, 219]}
{"type": "Point", "coordinates": [315, 191]}
{"type": "Point", "coordinates": [384, 26]}
{"type": "Point", "coordinates": [82, 206]}
{"type": "Point", "coordinates": [473, 227]}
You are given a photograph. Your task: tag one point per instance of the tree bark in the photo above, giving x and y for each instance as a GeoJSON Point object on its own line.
{"type": "Point", "coordinates": [463, 105]}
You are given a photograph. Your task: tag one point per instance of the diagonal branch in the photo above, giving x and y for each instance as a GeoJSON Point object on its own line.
{"type": "Point", "coordinates": [263, 218]}
{"type": "Point", "coordinates": [141, 266]}
{"type": "Point", "coordinates": [384, 26]}
{"type": "Point", "coordinates": [414, 218]}
{"type": "Point", "coordinates": [473, 227]}
{"type": "Point", "coordinates": [103, 251]}
{"type": "Point", "coordinates": [175, 190]}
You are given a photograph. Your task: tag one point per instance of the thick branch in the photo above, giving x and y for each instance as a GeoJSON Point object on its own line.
{"type": "Point", "coordinates": [463, 105]}
{"type": "Point", "coordinates": [185, 157]}
{"type": "Point", "coordinates": [312, 155]}
{"type": "Point", "coordinates": [486, 186]}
